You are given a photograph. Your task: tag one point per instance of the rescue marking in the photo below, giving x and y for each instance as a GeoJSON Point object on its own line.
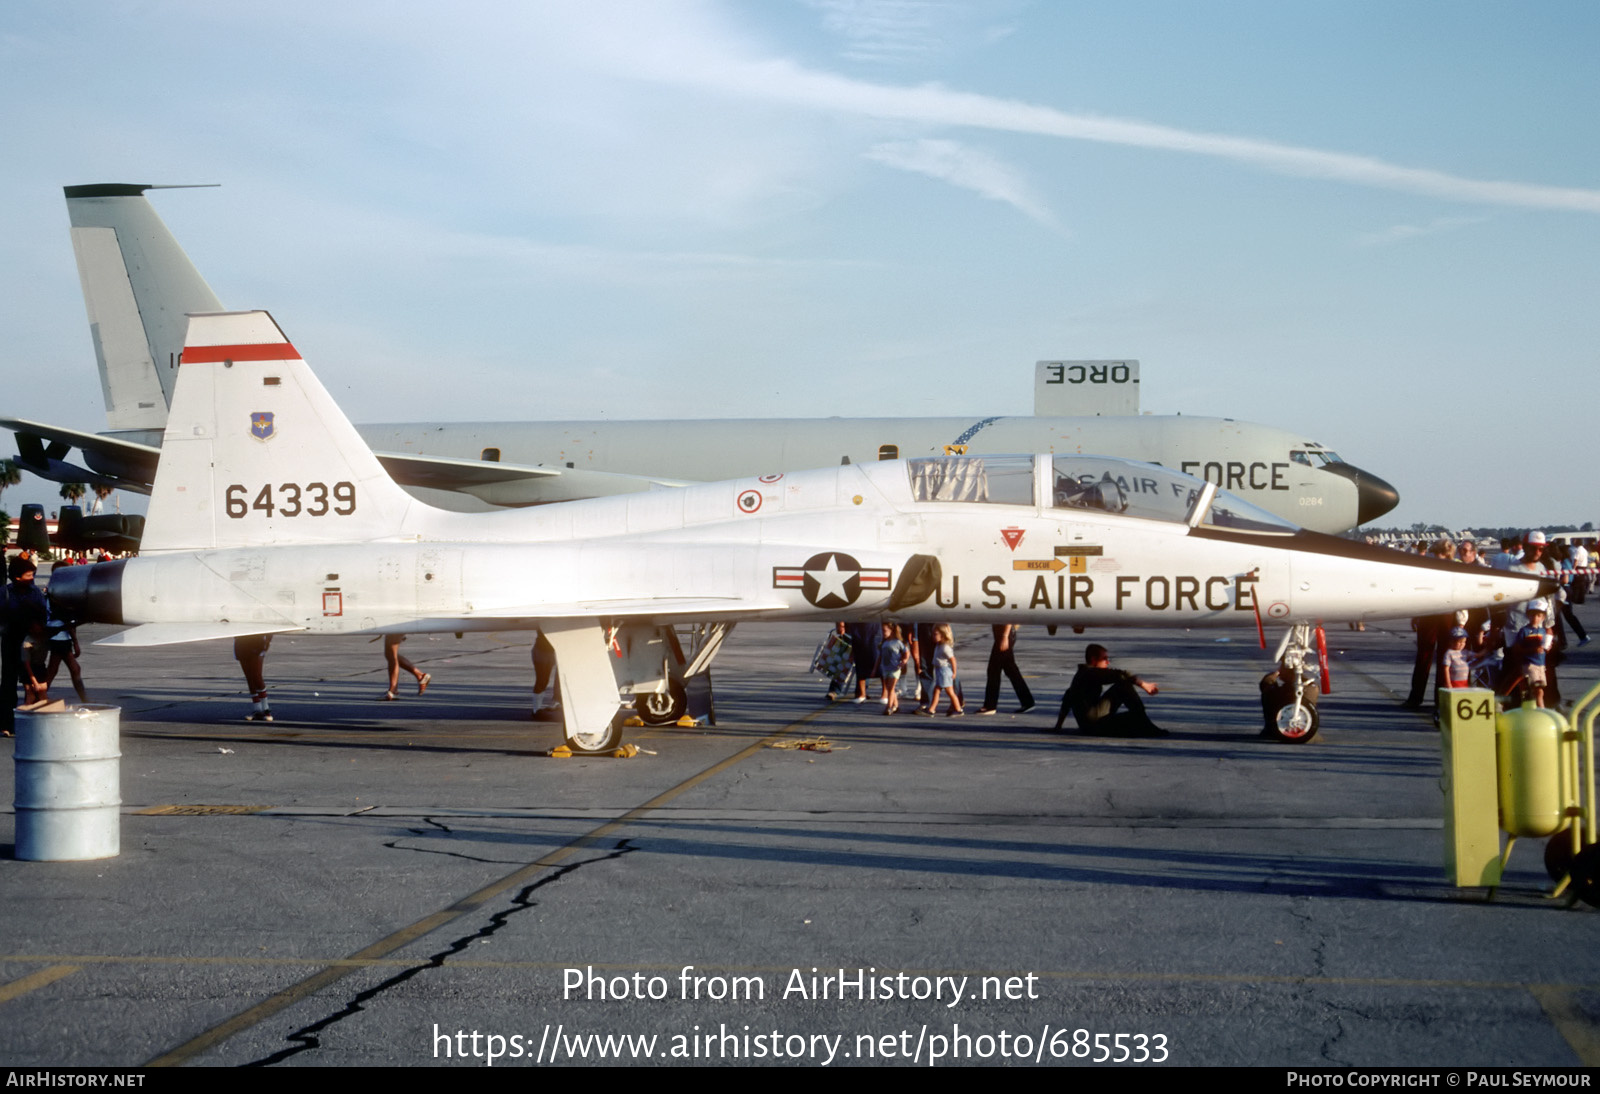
{"type": "Point", "coordinates": [1012, 536]}
{"type": "Point", "coordinates": [749, 501]}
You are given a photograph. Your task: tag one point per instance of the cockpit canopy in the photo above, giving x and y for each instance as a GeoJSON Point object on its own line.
{"type": "Point", "coordinates": [1101, 484]}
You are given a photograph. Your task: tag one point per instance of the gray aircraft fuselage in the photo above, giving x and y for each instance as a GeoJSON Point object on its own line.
{"type": "Point", "coordinates": [1273, 468]}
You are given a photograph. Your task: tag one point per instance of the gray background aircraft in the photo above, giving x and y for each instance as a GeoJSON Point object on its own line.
{"type": "Point", "coordinates": [138, 286]}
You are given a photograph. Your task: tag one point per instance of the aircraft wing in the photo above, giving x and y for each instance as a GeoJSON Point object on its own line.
{"type": "Point", "coordinates": [511, 484]}
{"type": "Point", "coordinates": [170, 634]}
{"type": "Point", "coordinates": [697, 608]}
{"type": "Point", "coordinates": [125, 464]}
{"type": "Point", "coordinates": [660, 607]}
{"type": "Point", "coordinates": [112, 461]}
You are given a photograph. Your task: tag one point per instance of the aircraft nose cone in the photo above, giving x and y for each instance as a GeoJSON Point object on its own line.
{"type": "Point", "coordinates": [1374, 497]}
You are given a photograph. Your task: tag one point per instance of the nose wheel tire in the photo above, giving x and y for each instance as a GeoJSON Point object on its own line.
{"type": "Point", "coordinates": [657, 708]}
{"type": "Point", "coordinates": [1296, 725]}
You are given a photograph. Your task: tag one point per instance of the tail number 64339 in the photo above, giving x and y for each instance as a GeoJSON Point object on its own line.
{"type": "Point", "coordinates": [292, 500]}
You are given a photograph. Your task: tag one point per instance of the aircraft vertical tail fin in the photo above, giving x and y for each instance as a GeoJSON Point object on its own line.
{"type": "Point", "coordinates": [257, 453]}
{"type": "Point", "coordinates": [138, 286]}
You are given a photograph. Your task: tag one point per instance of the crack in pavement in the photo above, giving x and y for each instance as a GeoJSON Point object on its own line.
{"type": "Point", "coordinates": [306, 1038]}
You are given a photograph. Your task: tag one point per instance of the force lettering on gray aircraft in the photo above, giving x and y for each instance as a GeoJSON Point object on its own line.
{"type": "Point", "coordinates": [138, 284]}
{"type": "Point", "coordinates": [299, 529]}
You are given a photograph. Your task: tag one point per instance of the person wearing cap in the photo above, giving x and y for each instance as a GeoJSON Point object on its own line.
{"type": "Point", "coordinates": [1457, 661]}
{"type": "Point", "coordinates": [1533, 643]}
{"type": "Point", "coordinates": [22, 612]}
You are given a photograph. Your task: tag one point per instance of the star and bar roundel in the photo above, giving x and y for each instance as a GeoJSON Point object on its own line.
{"type": "Point", "coordinates": [831, 579]}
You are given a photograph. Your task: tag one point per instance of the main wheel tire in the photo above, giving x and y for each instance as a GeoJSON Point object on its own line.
{"type": "Point", "coordinates": [1297, 726]}
{"type": "Point", "coordinates": [592, 744]}
{"type": "Point", "coordinates": [656, 708]}
{"type": "Point", "coordinates": [1586, 875]}
{"type": "Point", "coordinates": [1558, 855]}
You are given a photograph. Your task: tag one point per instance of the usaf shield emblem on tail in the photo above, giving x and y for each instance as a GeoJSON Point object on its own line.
{"type": "Point", "coordinates": [261, 427]}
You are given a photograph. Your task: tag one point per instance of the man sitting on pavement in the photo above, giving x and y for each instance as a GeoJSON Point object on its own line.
{"type": "Point", "coordinates": [1105, 701]}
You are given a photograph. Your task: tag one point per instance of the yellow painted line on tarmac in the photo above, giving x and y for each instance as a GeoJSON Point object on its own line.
{"type": "Point", "coordinates": [1560, 1005]}
{"type": "Point", "coordinates": [471, 902]}
{"type": "Point", "coordinates": [33, 981]}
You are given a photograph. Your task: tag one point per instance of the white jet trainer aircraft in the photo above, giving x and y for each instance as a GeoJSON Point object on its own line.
{"type": "Point", "coordinates": [269, 514]}
{"type": "Point", "coordinates": [138, 284]}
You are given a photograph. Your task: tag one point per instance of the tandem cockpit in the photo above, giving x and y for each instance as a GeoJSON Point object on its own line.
{"type": "Point", "coordinates": [1095, 484]}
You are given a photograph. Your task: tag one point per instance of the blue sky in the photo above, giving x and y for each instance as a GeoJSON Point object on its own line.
{"type": "Point", "coordinates": [1374, 223]}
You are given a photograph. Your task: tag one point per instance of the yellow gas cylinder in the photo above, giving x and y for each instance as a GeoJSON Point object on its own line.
{"type": "Point", "coordinates": [1528, 747]}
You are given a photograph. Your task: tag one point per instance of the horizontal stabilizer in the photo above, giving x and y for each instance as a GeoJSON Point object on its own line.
{"type": "Point", "coordinates": [449, 473]}
{"type": "Point", "coordinates": [171, 634]}
{"type": "Point", "coordinates": [513, 484]}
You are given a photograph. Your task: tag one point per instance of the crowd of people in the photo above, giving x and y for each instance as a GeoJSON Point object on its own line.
{"type": "Point", "coordinates": [1514, 651]}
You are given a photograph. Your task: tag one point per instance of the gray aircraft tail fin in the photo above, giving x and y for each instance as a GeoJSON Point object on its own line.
{"type": "Point", "coordinates": [138, 287]}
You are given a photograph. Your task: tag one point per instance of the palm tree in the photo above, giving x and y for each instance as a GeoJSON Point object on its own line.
{"type": "Point", "coordinates": [73, 491]}
{"type": "Point", "coordinates": [10, 474]}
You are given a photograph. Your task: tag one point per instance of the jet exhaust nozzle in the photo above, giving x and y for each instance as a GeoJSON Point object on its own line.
{"type": "Point", "coordinates": [88, 594]}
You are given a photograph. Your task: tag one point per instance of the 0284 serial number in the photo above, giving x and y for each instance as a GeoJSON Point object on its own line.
{"type": "Point", "coordinates": [290, 499]}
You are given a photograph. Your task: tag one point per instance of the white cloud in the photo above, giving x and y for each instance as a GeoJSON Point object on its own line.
{"type": "Point", "coordinates": [1399, 233]}
{"type": "Point", "coordinates": [783, 81]}
{"type": "Point", "coordinates": [969, 168]}
{"type": "Point", "coordinates": [886, 31]}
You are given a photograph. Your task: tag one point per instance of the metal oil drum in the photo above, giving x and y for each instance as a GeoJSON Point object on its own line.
{"type": "Point", "coordinates": [68, 782]}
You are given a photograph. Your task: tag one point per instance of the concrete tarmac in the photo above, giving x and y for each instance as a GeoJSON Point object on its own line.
{"type": "Point", "coordinates": [417, 882]}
